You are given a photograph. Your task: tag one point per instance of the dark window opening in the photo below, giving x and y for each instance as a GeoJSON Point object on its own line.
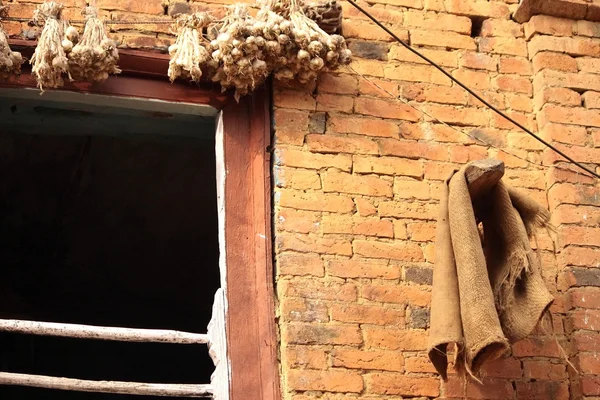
{"type": "Point", "coordinates": [108, 217]}
{"type": "Point", "coordinates": [476, 26]}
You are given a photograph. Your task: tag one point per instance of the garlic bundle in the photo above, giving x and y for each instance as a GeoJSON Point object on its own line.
{"type": "Point", "coordinates": [238, 51]}
{"type": "Point", "coordinates": [277, 34]}
{"type": "Point", "coordinates": [189, 53]}
{"type": "Point", "coordinates": [316, 50]}
{"type": "Point", "coordinates": [49, 61]}
{"type": "Point", "coordinates": [10, 61]}
{"type": "Point", "coordinates": [95, 56]}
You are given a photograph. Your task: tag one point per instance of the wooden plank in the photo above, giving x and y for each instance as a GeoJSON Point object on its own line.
{"type": "Point", "coordinates": [131, 388]}
{"type": "Point", "coordinates": [101, 332]}
{"type": "Point", "coordinates": [251, 330]}
{"type": "Point", "coordinates": [482, 175]}
{"type": "Point", "coordinates": [217, 348]}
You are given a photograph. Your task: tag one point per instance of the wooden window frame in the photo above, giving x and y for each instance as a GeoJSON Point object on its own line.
{"type": "Point", "coordinates": [246, 133]}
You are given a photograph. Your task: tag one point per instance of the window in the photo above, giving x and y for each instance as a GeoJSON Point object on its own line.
{"type": "Point", "coordinates": [243, 327]}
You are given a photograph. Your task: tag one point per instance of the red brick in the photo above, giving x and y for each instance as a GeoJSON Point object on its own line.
{"type": "Point", "coordinates": [314, 201]}
{"type": "Point", "coordinates": [557, 95]}
{"type": "Point", "coordinates": [305, 357]}
{"type": "Point", "coordinates": [445, 58]}
{"type": "Point", "coordinates": [576, 214]}
{"type": "Point", "coordinates": [521, 140]}
{"type": "Point", "coordinates": [464, 154]}
{"type": "Point", "coordinates": [585, 319]}
{"type": "Point", "coordinates": [477, 80]}
{"type": "Point", "coordinates": [493, 98]}
{"type": "Point", "coordinates": [325, 334]}
{"type": "Point", "coordinates": [397, 294]}
{"type": "Point", "coordinates": [286, 119]}
{"type": "Point", "coordinates": [317, 289]}
{"type": "Point", "coordinates": [571, 46]}
{"type": "Point", "coordinates": [515, 65]}
{"type": "Point", "coordinates": [591, 99]}
{"type": "Point", "coordinates": [305, 159]}
{"type": "Point", "coordinates": [164, 28]}
{"type": "Point", "coordinates": [438, 171]}
{"type": "Point", "coordinates": [332, 102]}
{"type": "Point", "coordinates": [544, 370]}
{"type": "Point", "coordinates": [312, 244]}
{"type": "Point", "coordinates": [363, 268]}
{"type": "Point", "coordinates": [411, 149]}
{"type": "Point", "coordinates": [368, 88]}
{"type": "Point", "coordinates": [445, 94]}
{"type": "Point", "coordinates": [543, 390]}
{"type": "Point", "coordinates": [519, 102]}
{"type": "Point", "coordinates": [386, 109]}
{"type": "Point", "coordinates": [401, 3]}
{"type": "Point", "coordinates": [363, 126]}
{"type": "Point", "coordinates": [388, 166]}
{"type": "Point", "coordinates": [364, 207]}
{"type": "Point", "coordinates": [588, 363]}
{"type": "Point", "coordinates": [327, 381]}
{"type": "Point", "coordinates": [478, 8]}
{"type": "Point", "coordinates": [458, 116]}
{"type": "Point", "coordinates": [296, 99]}
{"type": "Point", "coordinates": [443, 22]}
{"type": "Point", "coordinates": [303, 310]}
{"type": "Point", "coordinates": [586, 341]}
{"type": "Point", "coordinates": [411, 188]}
{"type": "Point", "coordinates": [398, 384]}
{"type": "Point", "coordinates": [513, 83]}
{"type": "Point", "coordinates": [442, 39]}
{"type": "Point", "coordinates": [366, 314]}
{"type": "Point", "coordinates": [419, 364]}
{"type": "Point", "coordinates": [369, 31]}
{"type": "Point", "coordinates": [296, 178]}
{"type": "Point", "coordinates": [501, 27]}
{"type": "Point", "coordinates": [566, 115]}
{"type": "Point", "coordinates": [502, 45]}
{"type": "Point", "coordinates": [491, 389]}
{"type": "Point", "coordinates": [339, 84]}
{"type": "Point", "coordinates": [300, 264]}
{"type": "Point", "coordinates": [579, 82]}
{"type": "Point", "coordinates": [421, 231]}
{"type": "Point", "coordinates": [554, 61]}
{"type": "Point", "coordinates": [144, 7]}
{"type": "Point", "coordinates": [369, 67]}
{"type": "Point", "coordinates": [340, 144]}
{"type": "Point", "coordinates": [342, 182]}
{"type": "Point", "coordinates": [565, 134]}
{"type": "Point", "coordinates": [416, 73]}
{"type": "Point", "coordinates": [396, 250]}
{"type": "Point", "coordinates": [368, 360]}
{"type": "Point", "coordinates": [536, 347]}
{"type": "Point", "coordinates": [526, 179]}
{"type": "Point", "coordinates": [414, 210]}
{"type": "Point", "coordinates": [572, 194]}
{"type": "Point", "coordinates": [478, 61]}
{"type": "Point", "coordinates": [357, 226]}
{"type": "Point", "coordinates": [585, 236]}
{"type": "Point", "coordinates": [548, 25]}
{"type": "Point", "coordinates": [382, 14]}
{"type": "Point", "coordinates": [508, 368]}
{"type": "Point", "coordinates": [395, 339]}
{"type": "Point", "coordinates": [590, 385]}
{"type": "Point", "coordinates": [288, 219]}
{"type": "Point", "coordinates": [588, 64]}
{"type": "Point", "coordinates": [587, 28]}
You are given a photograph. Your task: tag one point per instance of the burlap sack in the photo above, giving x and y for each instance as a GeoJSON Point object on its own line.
{"type": "Point", "coordinates": [488, 291]}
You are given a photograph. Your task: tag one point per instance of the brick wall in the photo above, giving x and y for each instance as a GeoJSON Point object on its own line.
{"type": "Point", "coordinates": [357, 180]}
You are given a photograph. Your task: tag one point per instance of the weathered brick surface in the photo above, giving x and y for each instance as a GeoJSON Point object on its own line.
{"type": "Point", "coordinates": [357, 178]}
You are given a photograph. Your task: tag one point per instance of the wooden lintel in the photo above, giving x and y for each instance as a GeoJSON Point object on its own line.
{"type": "Point", "coordinates": [482, 175]}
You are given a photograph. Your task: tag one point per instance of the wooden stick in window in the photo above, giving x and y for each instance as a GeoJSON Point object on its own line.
{"type": "Point", "coordinates": [101, 332]}
{"type": "Point", "coordinates": [131, 388]}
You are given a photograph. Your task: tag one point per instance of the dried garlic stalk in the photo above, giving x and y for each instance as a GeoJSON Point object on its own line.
{"type": "Point", "coordinates": [49, 61]}
{"type": "Point", "coordinates": [188, 54]}
{"type": "Point", "coordinates": [95, 56]}
{"type": "Point", "coordinates": [10, 61]}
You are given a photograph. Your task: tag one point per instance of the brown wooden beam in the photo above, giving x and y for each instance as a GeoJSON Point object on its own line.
{"type": "Point", "coordinates": [483, 175]}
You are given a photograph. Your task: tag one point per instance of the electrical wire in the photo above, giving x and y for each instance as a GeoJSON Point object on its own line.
{"type": "Point", "coordinates": [471, 92]}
